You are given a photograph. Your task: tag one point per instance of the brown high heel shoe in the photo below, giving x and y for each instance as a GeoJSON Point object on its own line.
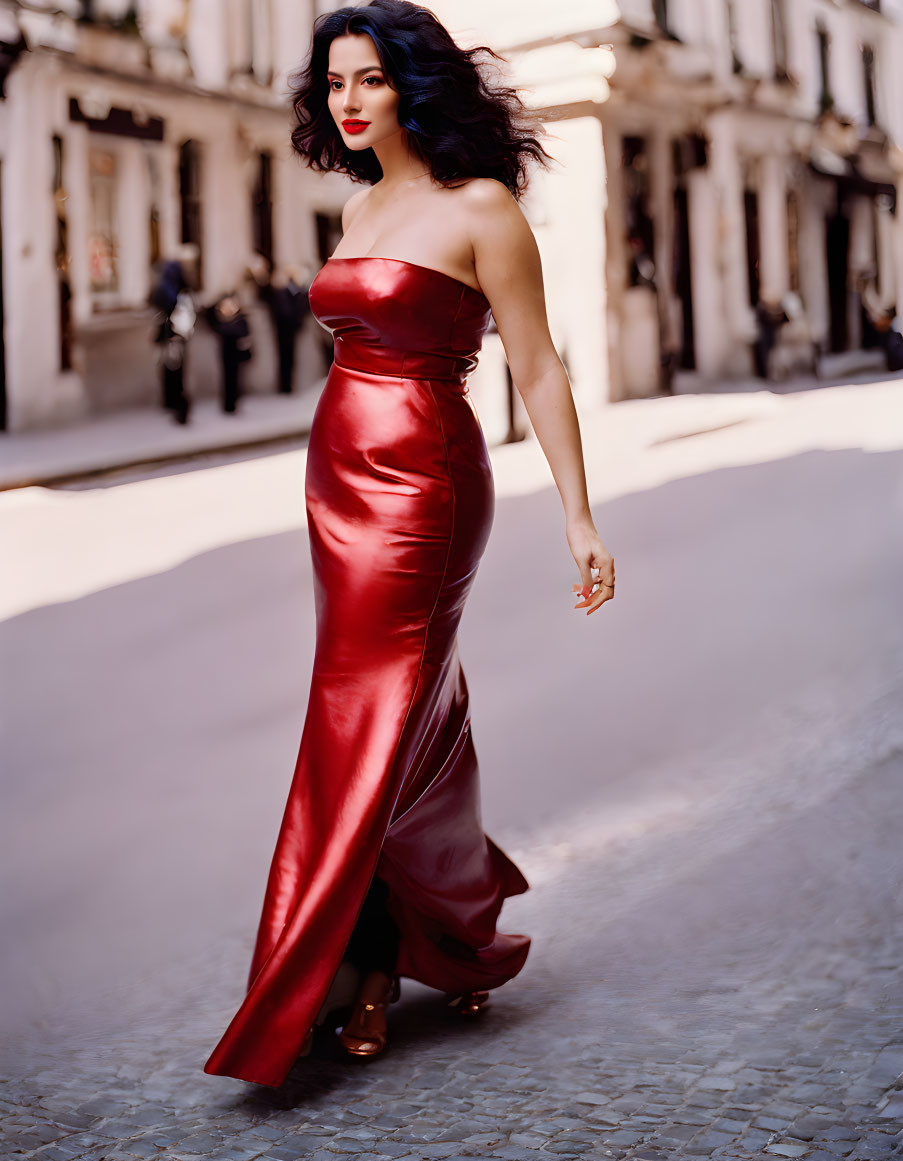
{"type": "Point", "coordinates": [368, 1015]}
{"type": "Point", "coordinates": [470, 1003]}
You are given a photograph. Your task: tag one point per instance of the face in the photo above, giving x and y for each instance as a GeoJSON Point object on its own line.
{"type": "Point", "coordinates": [363, 105]}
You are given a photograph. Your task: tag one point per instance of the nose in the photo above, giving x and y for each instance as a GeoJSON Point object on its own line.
{"type": "Point", "coordinates": [351, 104]}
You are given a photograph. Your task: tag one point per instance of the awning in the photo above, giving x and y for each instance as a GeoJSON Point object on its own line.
{"type": "Point", "coordinates": [849, 177]}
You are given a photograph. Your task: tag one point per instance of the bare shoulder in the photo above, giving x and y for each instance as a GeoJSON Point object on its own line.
{"type": "Point", "coordinates": [499, 231]}
{"type": "Point", "coordinates": [352, 206]}
{"type": "Point", "coordinates": [496, 222]}
{"type": "Point", "coordinates": [490, 202]}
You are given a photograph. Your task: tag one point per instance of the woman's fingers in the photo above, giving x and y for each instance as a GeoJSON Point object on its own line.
{"type": "Point", "coordinates": [592, 557]}
{"type": "Point", "coordinates": [599, 598]}
{"type": "Point", "coordinates": [592, 598]}
{"type": "Point", "coordinates": [584, 596]}
{"type": "Point", "coordinates": [595, 600]}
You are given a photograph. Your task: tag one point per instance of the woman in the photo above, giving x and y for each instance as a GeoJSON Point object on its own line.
{"type": "Point", "coordinates": [381, 860]}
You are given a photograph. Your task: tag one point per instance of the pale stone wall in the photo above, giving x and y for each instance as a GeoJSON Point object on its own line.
{"type": "Point", "coordinates": [219, 77]}
{"type": "Point", "coordinates": [719, 80]}
{"type": "Point", "coordinates": [198, 87]}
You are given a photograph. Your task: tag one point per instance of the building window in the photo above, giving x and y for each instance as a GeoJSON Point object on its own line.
{"type": "Point", "coordinates": [262, 41]}
{"type": "Point", "coordinates": [751, 208]}
{"type": "Point", "coordinates": [868, 79]}
{"type": "Point", "coordinates": [155, 247]}
{"type": "Point", "coordinates": [103, 245]}
{"type": "Point", "coordinates": [825, 98]}
{"type": "Point", "coordinates": [793, 241]}
{"type": "Point", "coordinates": [736, 60]}
{"type": "Point", "coordinates": [64, 285]}
{"type": "Point", "coordinates": [639, 225]}
{"type": "Point", "coordinates": [246, 35]}
{"type": "Point", "coordinates": [237, 16]}
{"type": "Point", "coordinates": [190, 198]}
{"type": "Point", "coordinates": [779, 39]}
{"type": "Point", "coordinates": [120, 14]}
{"type": "Point", "coordinates": [262, 207]}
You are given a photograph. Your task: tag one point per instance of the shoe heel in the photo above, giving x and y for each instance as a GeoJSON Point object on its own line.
{"type": "Point", "coordinates": [368, 1043]}
{"type": "Point", "coordinates": [470, 1003]}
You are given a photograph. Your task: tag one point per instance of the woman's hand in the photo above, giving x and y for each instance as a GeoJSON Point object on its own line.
{"type": "Point", "coordinates": [591, 554]}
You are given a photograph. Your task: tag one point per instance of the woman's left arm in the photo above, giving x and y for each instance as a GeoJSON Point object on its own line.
{"type": "Point", "coordinates": [509, 270]}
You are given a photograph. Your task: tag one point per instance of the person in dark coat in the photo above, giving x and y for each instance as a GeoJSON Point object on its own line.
{"type": "Point", "coordinates": [883, 318]}
{"type": "Point", "coordinates": [229, 321]}
{"type": "Point", "coordinates": [893, 344]}
{"type": "Point", "coordinates": [287, 299]}
{"type": "Point", "coordinates": [177, 315]}
{"type": "Point", "coordinates": [770, 317]}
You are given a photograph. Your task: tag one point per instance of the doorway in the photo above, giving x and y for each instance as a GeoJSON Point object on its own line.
{"type": "Point", "coordinates": [838, 245]}
{"type": "Point", "coordinates": [683, 285]}
{"type": "Point", "coordinates": [753, 254]}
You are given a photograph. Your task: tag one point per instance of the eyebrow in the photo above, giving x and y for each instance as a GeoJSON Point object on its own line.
{"type": "Point", "coordinates": [369, 69]}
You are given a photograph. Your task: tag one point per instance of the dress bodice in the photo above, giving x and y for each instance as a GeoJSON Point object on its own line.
{"type": "Point", "coordinates": [389, 316]}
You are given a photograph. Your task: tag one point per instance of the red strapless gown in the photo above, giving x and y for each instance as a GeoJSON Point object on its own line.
{"type": "Point", "coordinates": [400, 500]}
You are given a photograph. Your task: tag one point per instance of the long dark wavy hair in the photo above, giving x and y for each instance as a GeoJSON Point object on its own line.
{"type": "Point", "coordinates": [458, 122]}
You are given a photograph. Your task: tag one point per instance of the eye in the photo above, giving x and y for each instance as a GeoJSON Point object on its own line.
{"type": "Point", "coordinates": [331, 83]}
{"type": "Point", "coordinates": [377, 79]}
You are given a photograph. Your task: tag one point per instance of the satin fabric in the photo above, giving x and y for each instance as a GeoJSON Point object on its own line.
{"type": "Point", "coordinates": [400, 502]}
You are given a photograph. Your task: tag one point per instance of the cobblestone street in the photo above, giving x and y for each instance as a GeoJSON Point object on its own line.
{"type": "Point", "coordinates": [746, 1003]}
{"type": "Point", "coordinates": [717, 966]}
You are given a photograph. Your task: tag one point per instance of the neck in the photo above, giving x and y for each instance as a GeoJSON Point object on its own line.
{"type": "Point", "coordinates": [398, 163]}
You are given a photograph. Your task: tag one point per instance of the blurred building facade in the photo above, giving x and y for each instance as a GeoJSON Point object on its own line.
{"type": "Point", "coordinates": [724, 166]}
{"type": "Point", "coordinates": [754, 164]}
{"type": "Point", "coordinates": [746, 158]}
{"type": "Point", "coordinates": [717, 161]}
{"type": "Point", "coordinates": [131, 133]}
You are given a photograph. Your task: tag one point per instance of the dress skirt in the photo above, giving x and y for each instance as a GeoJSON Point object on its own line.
{"type": "Point", "coordinates": [400, 502]}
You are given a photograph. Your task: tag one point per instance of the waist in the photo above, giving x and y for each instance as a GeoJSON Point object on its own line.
{"type": "Point", "coordinates": [399, 363]}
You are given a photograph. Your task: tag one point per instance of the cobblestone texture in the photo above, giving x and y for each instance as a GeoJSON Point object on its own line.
{"type": "Point", "coordinates": [650, 1047]}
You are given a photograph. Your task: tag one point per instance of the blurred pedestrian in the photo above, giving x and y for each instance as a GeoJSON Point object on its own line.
{"type": "Point", "coordinates": [287, 299]}
{"type": "Point", "coordinates": [770, 317]}
{"type": "Point", "coordinates": [228, 319]}
{"type": "Point", "coordinates": [176, 321]}
{"type": "Point", "coordinates": [893, 344]}
{"type": "Point", "coordinates": [642, 274]}
{"type": "Point", "coordinates": [882, 317]}
{"type": "Point", "coordinates": [259, 273]}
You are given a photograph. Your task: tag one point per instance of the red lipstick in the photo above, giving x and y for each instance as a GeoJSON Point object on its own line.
{"type": "Point", "coordinates": [354, 126]}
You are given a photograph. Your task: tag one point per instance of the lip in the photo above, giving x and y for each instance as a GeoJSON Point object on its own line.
{"type": "Point", "coordinates": [352, 125]}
